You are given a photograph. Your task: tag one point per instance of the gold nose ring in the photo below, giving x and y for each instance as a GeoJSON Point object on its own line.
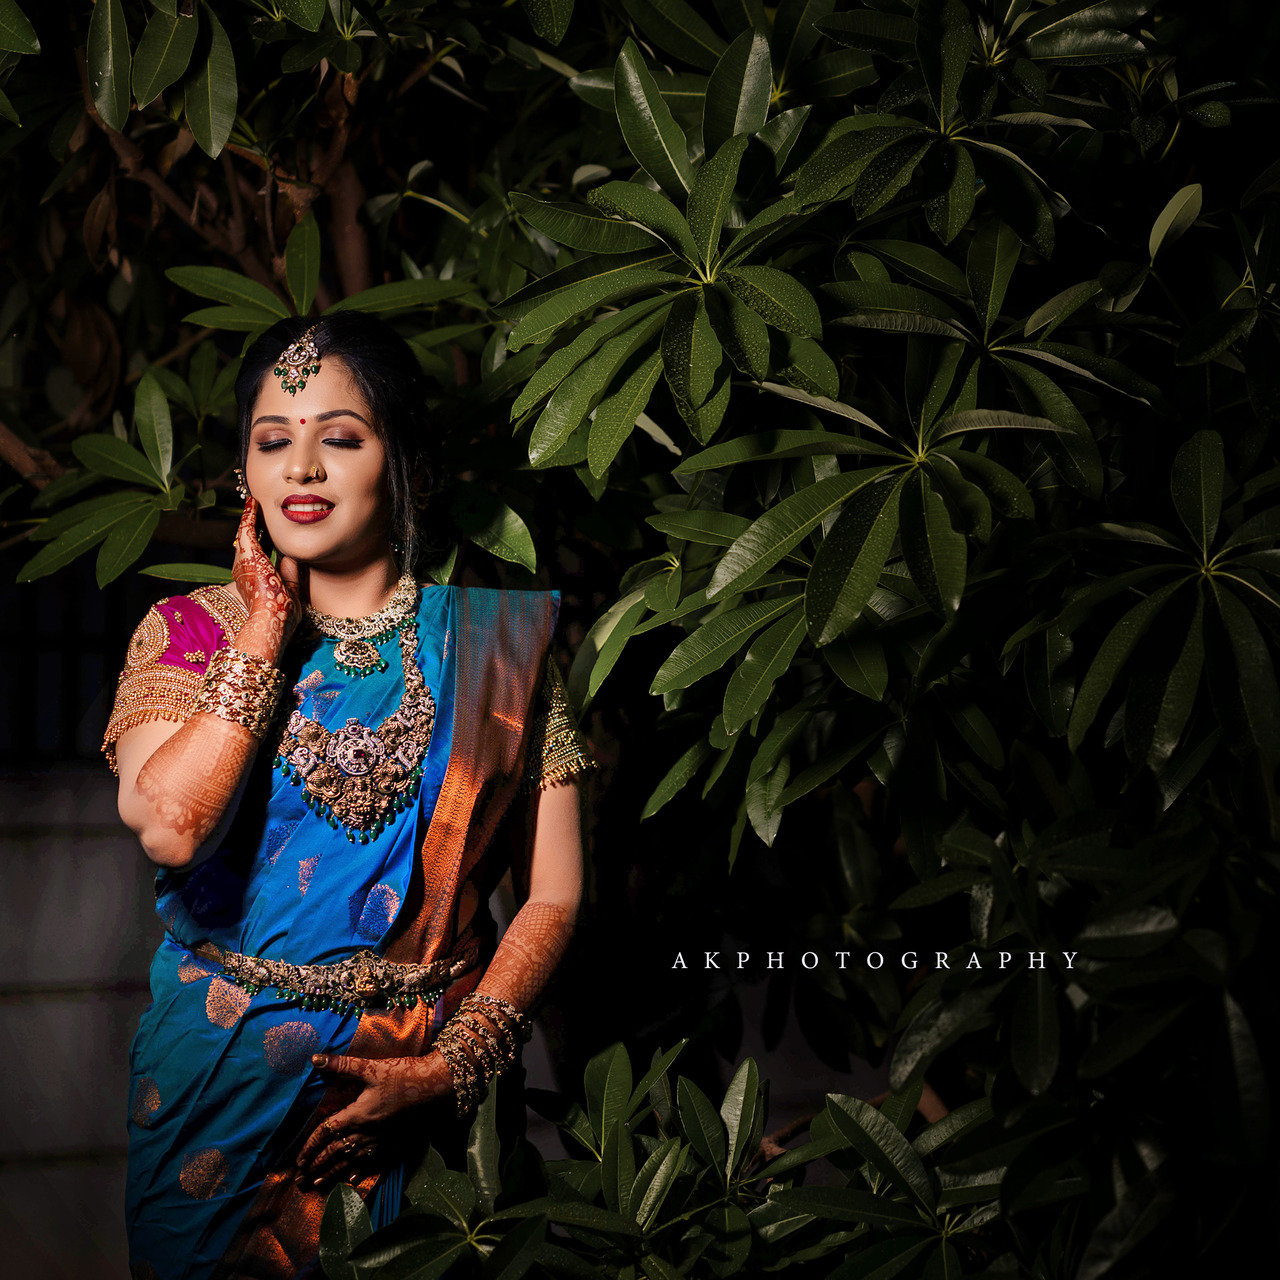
{"type": "Point", "coordinates": [314, 473]}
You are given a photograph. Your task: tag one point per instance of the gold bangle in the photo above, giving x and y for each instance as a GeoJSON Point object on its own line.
{"type": "Point", "coordinates": [242, 688]}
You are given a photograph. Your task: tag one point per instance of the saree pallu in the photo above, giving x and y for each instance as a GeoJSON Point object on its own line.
{"type": "Point", "coordinates": [223, 1091]}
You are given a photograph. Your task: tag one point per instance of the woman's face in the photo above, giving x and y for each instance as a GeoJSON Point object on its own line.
{"type": "Point", "coordinates": [318, 470]}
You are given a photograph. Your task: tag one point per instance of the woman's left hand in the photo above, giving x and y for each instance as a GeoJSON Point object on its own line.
{"type": "Point", "coordinates": [357, 1139]}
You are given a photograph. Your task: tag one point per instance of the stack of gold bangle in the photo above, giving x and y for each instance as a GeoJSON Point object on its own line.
{"type": "Point", "coordinates": [467, 1031]}
{"type": "Point", "coordinates": [242, 688]}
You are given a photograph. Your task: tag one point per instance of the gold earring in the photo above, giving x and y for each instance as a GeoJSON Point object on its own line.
{"type": "Point", "coordinates": [242, 487]}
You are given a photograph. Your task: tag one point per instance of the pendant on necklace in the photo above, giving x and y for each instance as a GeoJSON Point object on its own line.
{"type": "Point", "coordinates": [358, 658]}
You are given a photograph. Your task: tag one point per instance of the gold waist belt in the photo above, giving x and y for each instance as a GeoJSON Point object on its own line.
{"type": "Point", "coordinates": [362, 981]}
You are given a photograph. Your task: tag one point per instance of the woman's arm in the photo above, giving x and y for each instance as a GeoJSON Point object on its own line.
{"type": "Point", "coordinates": [179, 784]}
{"type": "Point", "coordinates": [527, 956]}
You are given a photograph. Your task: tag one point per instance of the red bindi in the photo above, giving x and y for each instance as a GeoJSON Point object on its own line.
{"type": "Point", "coordinates": [302, 422]}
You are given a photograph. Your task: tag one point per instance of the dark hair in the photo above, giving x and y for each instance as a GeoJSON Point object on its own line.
{"type": "Point", "coordinates": [388, 376]}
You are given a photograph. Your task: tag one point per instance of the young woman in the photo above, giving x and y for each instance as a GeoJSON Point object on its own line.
{"type": "Point", "coordinates": [317, 759]}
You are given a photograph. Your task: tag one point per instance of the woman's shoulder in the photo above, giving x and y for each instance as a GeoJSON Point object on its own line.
{"type": "Point", "coordinates": [197, 623]}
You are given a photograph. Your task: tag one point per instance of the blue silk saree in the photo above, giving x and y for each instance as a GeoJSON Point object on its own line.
{"type": "Point", "coordinates": [223, 1090]}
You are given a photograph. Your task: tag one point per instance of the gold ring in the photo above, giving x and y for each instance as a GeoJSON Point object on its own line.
{"type": "Point", "coordinates": [350, 1145]}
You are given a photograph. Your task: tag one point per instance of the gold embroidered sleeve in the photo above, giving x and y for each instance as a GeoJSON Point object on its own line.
{"type": "Point", "coordinates": [557, 752]}
{"type": "Point", "coordinates": [149, 689]}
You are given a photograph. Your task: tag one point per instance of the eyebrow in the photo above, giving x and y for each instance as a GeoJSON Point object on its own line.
{"type": "Point", "coordinates": [274, 419]}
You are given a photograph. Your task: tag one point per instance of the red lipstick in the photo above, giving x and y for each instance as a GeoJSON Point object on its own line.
{"type": "Point", "coordinates": [305, 509]}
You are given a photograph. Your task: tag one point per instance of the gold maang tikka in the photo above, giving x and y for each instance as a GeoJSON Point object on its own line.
{"type": "Point", "coordinates": [297, 362]}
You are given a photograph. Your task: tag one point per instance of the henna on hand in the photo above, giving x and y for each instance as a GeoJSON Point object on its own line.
{"type": "Point", "coordinates": [358, 1138]}
{"type": "Point", "coordinates": [271, 594]}
{"type": "Point", "coordinates": [191, 779]}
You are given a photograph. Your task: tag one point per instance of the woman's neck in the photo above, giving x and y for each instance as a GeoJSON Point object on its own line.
{"type": "Point", "coordinates": [354, 592]}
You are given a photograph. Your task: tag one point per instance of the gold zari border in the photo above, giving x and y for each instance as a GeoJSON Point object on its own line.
{"type": "Point", "coordinates": [557, 752]}
{"type": "Point", "coordinates": [157, 692]}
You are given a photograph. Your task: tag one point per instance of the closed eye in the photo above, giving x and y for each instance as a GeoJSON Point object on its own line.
{"type": "Point", "coordinates": [269, 446]}
{"type": "Point", "coordinates": [345, 443]}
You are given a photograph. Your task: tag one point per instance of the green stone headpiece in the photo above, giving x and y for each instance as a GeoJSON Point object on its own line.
{"type": "Point", "coordinates": [297, 362]}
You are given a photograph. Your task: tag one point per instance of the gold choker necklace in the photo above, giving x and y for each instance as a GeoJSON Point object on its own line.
{"type": "Point", "coordinates": [356, 652]}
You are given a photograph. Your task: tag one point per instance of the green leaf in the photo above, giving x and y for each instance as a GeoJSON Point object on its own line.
{"type": "Point", "coordinates": [868, 299]}
{"type": "Point", "coordinates": [954, 1124]}
{"type": "Point", "coordinates": [1259, 705]}
{"type": "Point", "coordinates": [581, 227]}
{"type": "Point", "coordinates": [618, 1168]}
{"type": "Point", "coordinates": [345, 1225]}
{"type": "Point", "coordinates": [573, 399]}
{"type": "Point", "coordinates": [549, 18]}
{"type": "Point", "coordinates": [842, 161]}
{"type": "Point", "coordinates": [780, 528]}
{"type": "Point", "coordinates": [204, 573]}
{"type": "Point", "coordinates": [110, 456]}
{"type": "Point", "coordinates": [237, 319]}
{"type": "Point", "coordinates": [712, 195]}
{"type": "Point", "coordinates": [163, 55]}
{"type": "Point", "coordinates": [608, 286]}
{"type": "Point", "coordinates": [517, 1251]}
{"type": "Point", "coordinates": [17, 35]}
{"type": "Point", "coordinates": [602, 646]}
{"type": "Point", "coordinates": [1076, 454]}
{"type": "Point", "coordinates": [850, 560]}
{"type": "Point", "coordinates": [888, 172]}
{"type": "Point", "coordinates": [713, 528]}
{"type": "Point", "coordinates": [738, 91]}
{"type": "Point", "coordinates": [107, 57]}
{"type": "Point", "coordinates": [694, 365]}
{"type": "Point", "coordinates": [607, 1082]}
{"type": "Point", "coordinates": [716, 641]}
{"type": "Point", "coordinates": [78, 539]}
{"type": "Point", "coordinates": [991, 420]}
{"type": "Point", "coordinates": [402, 295]}
{"type": "Point", "coordinates": [616, 414]}
{"type": "Point", "coordinates": [767, 659]}
{"type": "Point", "coordinates": [875, 1138]}
{"type": "Point", "coordinates": [636, 201]}
{"type": "Point", "coordinates": [937, 1025]}
{"type": "Point", "coordinates": [993, 254]}
{"type": "Point", "coordinates": [738, 1111]}
{"type": "Point", "coordinates": [1007, 493]}
{"type": "Point", "coordinates": [155, 426]}
{"type": "Point", "coordinates": [482, 1150]}
{"type": "Point", "coordinates": [858, 659]}
{"type": "Point", "coordinates": [924, 265]}
{"type": "Point", "coordinates": [678, 28]}
{"type": "Point", "coordinates": [845, 1204]}
{"type": "Point", "coordinates": [804, 364]}
{"type": "Point", "coordinates": [777, 297]}
{"type": "Point", "coordinates": [794, 34]}
{"type": "Point", "coordinates": [491, 524]}
{"type": "Point", "coordinates": [934, 551]}
{"type": "Point", "coordinates": [702, 1125]}
{"type": "Point", "coordinates": [944, 42]}
{"type": "Point", "coordinates": [648, 127]}
{"type": "Point", "coordinates": [563, 361]}
{"type": "Point", "coordinates": [682, 91]}
{"type": "Point", "coordinates": [1198, 471]}
{"type": "Point", "coordinates": [126, 541]}
{"type": "Point", "coordinates": [742, 333]}
{"type": "Point", "coordinates": [655, 1179]}
{"type": "Point", "coordinates": [308, 14]}
{"type": "Point", "coordinates": [1111, 656]}
{"type": "Point", "coordinates": [229, 287]}
{"type": "Point", "coordinates": [678, 776]}
{"type": "Point", "coordinates": [1161, 697]}
{"type": "Point", "coordinates": [767, 445]}
{"type": "Point", "coordinates": [572, 1213]}
{"type": "Point", "coordinates": [1062, 306]}
{"type": "Point", "coordinates": [1033, 1041]}
{"type": "Point", "coordinates": [835, 74]}
{"type": "Point", "coordinates": [1176, 217]}
{"type": "Point", "coordinates": [302, 262]}
{"type": "Point", "coordinates": [210, 92]}
{"type": "Point", "coordinates": [892, 35]}
{"type": "Point", "coordinates": [950, 210]}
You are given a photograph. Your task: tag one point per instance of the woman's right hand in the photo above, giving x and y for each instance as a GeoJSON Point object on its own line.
{"type": "Point", "coordinates": [270, 593]}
